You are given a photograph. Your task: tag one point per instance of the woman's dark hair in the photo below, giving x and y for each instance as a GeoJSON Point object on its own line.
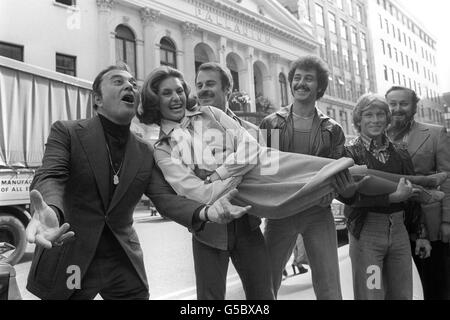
{"type": "Point", "coordinates": [149, 110]}
{"type": "Point", "coordinates": [311, 63]}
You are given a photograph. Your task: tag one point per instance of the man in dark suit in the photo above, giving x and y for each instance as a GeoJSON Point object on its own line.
{"type": "Point", "coordinates": [93, 174]}
{"type": "Point", "coordinates": [429, 148]}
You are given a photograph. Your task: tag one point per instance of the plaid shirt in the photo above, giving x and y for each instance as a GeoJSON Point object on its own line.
{"type": "Point", "coordinates": [380, 152]}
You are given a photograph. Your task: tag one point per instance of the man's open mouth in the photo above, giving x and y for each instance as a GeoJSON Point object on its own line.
{"type": "Point", "coordinates": [128, 98]}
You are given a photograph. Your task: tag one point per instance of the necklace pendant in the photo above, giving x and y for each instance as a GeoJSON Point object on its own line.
{"type": "Point", "coordinates": [116, 179]}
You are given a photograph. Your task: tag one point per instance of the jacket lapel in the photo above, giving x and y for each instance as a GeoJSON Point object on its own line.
{"type": "Point", "coordinates": [93, 141]}
{"type": "Point", "coordinates": [132, 162]}
{"type": "Point", "coordinates": [418, 135]}
{"type": "Point", "coordinates": [287, 128]}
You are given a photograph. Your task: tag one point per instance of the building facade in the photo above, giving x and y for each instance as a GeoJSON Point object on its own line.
{"type": "Point", "coordinates": [405, 55]}
{"type": "Point", "coordinates": [257, 40]}
{"type": "Point", "coordinates": [341, 28]}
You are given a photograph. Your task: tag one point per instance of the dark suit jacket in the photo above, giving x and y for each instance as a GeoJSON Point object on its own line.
{"type": "Point", "coordinates": [74, 177]}
{"type": "Point", "coordinates": [429, 147]}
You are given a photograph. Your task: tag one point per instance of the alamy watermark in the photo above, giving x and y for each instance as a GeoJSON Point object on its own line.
{"type": "Point", "coordinates": [374, 277]}
{"type": "Point", "coordinates": [74, 279]}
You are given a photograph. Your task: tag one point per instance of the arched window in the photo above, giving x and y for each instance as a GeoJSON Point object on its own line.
{"type": "Point", "coordinates": [126, 47]}
{"type": "Point", "coordinates": [168, 52]}
{"type": "Point", "coordinates": [283, 89]}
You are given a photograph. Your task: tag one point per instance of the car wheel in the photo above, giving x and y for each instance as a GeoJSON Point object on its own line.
{"type": "Point", "coordinates": [12, 233]}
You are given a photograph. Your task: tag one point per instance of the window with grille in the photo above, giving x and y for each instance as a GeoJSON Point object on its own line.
{"type": "Point", "coordinates": [126, 47]}
{"type": "Point", "coordinates": [168, 52]}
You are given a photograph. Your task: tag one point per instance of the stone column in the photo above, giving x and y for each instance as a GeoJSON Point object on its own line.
{"type": "Point", "coordinates": [149, 18]}
{"type": "Point", "coordinates": [188, 70]}
{"type": "Point", "coordinates": [274, 93]}
{"type": "Point", "coordinates": [249, 77]}
{"type": "Point", "coordinates": [104, 34]}
{"type": "Point", "coordinates": [140, 72]}
{"type": "Point", "coordinates": [222, 51]}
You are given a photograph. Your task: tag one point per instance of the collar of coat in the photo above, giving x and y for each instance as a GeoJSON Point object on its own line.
{"type": "Point", "coordinates": [285, 112]}
{"type": "Point", "coordinates": [167, 126]}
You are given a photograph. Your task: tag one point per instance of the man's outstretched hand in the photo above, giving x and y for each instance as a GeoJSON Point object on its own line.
{"type": "Point", "coordinates": [44, 229]}
{"type": "Point", "coordinates": [223, 212]}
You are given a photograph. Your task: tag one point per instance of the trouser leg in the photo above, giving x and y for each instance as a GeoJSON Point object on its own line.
{"type": "Point", "coordinates": [398, 264]}
{"type": "Point", "coordinates": [211, 266]}
{"type": "Point", "coordinates": [280, 236]}
{"type": "Point", "coordinates": [251, 260]}
{"type": "Point", "coordinates": [367, 268]}
{"type": "Point", "coordinates": [433, 272]}
{"type": "Point", "coordinates": [320, 239]}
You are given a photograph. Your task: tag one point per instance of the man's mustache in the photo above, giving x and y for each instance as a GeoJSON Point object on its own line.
{"type": "Point", "coordinates": [301, 87]}
{"type": "Point", "coordinates": [205, 94]}
{"type": "Point", "coordinates": [399, 113]}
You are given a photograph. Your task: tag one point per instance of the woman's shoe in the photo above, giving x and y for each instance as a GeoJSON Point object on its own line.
{"type": "Point", "coordinates": [435, 180]}
{"type": "Point", "coordinates": [427, 196]}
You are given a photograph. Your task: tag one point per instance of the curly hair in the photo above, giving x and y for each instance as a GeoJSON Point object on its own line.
{"type": "Point", "coordinates": [311, 63]}
{"type": "Point", "coordinates": [364, 102]}
{"type": "Point", "coordinates": [149, 110]}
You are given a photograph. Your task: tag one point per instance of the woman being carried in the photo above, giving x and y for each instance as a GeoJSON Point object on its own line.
{"type": "Point", "coordinates": [276, 184]}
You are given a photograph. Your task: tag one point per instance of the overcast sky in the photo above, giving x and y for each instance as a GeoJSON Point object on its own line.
{"type": "Point", "coordinates": [435, 17]}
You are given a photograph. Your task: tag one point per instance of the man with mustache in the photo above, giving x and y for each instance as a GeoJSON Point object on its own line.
{"type": "Point", "coordinates": [241, 239]}
{"type": "Point", "coordinates": [93, 174]}
{"type": "Point", "coordinates": [214, 85]}
{"type": "Point", "coordinates": [302, 128]}
{"type": "Point", "coordinates": [429, 148]}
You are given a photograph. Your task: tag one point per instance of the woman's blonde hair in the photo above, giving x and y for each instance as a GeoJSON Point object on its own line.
{"type": "Point", "coordinates": [365, 102]}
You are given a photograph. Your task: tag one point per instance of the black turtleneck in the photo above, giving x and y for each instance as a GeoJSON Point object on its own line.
{"type": "Point", "coordinates": [116, 137]}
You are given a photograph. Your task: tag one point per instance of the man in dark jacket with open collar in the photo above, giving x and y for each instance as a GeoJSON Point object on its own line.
{"type": "Point", "coordinates": [93, 174]}
{"type": "Point", "coordinates": [302, 128]}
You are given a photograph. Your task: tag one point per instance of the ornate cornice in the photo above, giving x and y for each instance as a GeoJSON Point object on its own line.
{"type": "Point", "coordinates": [188, 28]}
{"type": "Point", "coordinates": [149, 15]}
{"type": "Point", "coordinates": [105, 5]}
{"type": "Point", "coordinates": [259, 22]}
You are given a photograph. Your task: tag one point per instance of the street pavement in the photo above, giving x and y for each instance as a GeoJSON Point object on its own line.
{"type": "Point", "coordinates": [167, 249]}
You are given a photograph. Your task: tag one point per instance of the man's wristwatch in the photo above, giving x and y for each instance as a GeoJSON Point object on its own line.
{"type": "Point", "coordinates": [208, 180]}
